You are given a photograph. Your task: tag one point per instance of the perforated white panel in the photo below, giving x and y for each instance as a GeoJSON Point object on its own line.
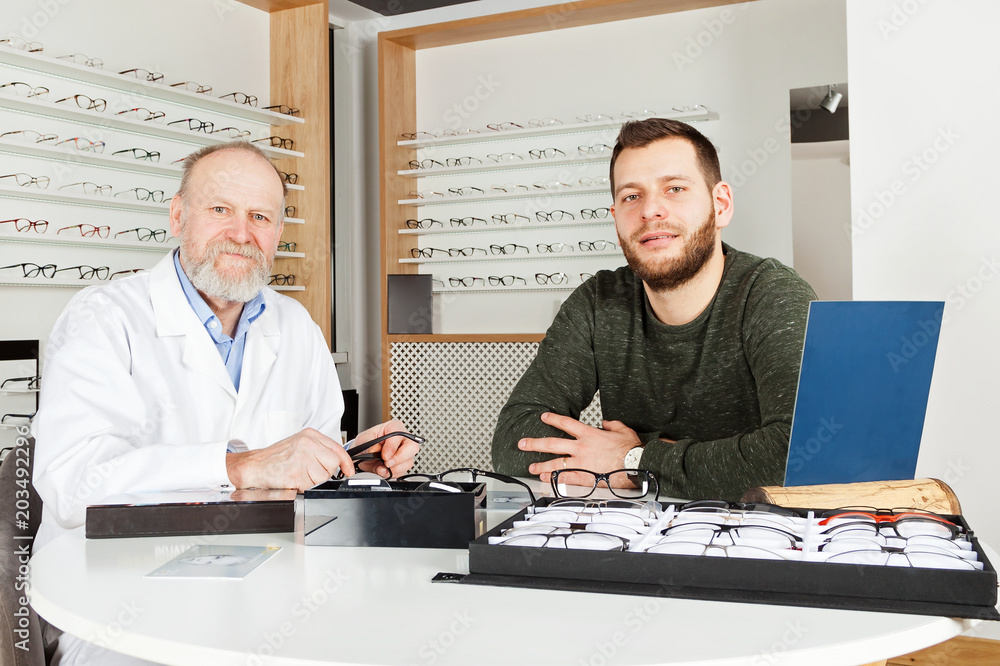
{"type": "Point", "coordinates": [452, 392]}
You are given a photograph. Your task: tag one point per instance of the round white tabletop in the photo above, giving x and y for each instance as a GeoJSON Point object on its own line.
{"type": "Point", "coordinates": [323, 605]}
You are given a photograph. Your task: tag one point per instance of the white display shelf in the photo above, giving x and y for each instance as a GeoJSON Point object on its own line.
{"type": "Point", "coordinates": [525, 226]}
{"type": "Point", "coordinates": [13, 426]}
{"type": "Point", "coordinates": [53, 282]}
{"type": "Point", "coordinates": [287, 287]}
{"type": "Point", "coordinates": [294, 220]}
{"type": "Point", "coordinates": [534, 193]}
{"type": "Point", "coordinates": [300, 188]}
{"type": "Point", "coordinates": [576, 254]}
{"type": "Point", "coordinates": [113, 81]}
{"type": "Point", "coordinates": [108, 119]}
{"type": "Point", "coordinates": [18, 392]}
{"type": "Point", "coordinates": [71, 155]}
{"type": "Point", "coordinates": [290, 255]}
{"type": "Point", "coordinates": [489, 136]}
{"type": "Point", "coordinates": [488, 289]}
{"type": "Point", "coordinates": [50, 237]}
{"type": "Point", "coordinates": [489, 167]}
{"type": "Point", "coordinates": [93, 200]}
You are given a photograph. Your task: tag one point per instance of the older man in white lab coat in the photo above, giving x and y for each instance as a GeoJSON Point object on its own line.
{"type": "Point", "coordinates": [193, 375]}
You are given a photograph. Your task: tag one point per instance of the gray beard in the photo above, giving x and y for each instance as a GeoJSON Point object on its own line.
{"type": "Point", "coordinates": [210, 282]}
{"type": "Point", "coordinates": [667, 275]}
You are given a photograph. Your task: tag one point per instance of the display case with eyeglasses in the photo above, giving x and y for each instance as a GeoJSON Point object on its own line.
{"type": "Point", "coordinates": [893, 560]}
{"type": "Point", "coordinates": [19, 388]}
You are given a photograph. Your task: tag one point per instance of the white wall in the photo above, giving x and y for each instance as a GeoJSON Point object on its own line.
{"type": "Point", "coordinates": [821, 216]}
{"type": "Point", "coordinates": [934, 238]}
{"type": "Point", "coordinates": [222, 44]}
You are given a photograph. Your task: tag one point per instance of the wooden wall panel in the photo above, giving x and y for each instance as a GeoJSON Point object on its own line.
{"type": "Point", "coordinates": [300, 77]}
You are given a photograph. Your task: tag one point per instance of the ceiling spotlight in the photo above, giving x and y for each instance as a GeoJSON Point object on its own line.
{"type": "Point", "coordinates": [832, 99]}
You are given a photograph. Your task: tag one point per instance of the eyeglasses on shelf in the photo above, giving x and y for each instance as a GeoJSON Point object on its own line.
{"type": "Point", "coordinates": [427, 252]}
{"type": "Point", "coordinates": [89, 230]}
{"type": "Point", "coordinates": [509, 248]}
{"type": "Point", "coordinates": [554, 216]}
{"type": "Point", "coordinates": [425, 194]}
{"type": "Point", "coordinates": [465, 191]}
{"type": "Point", "coordinates": [600, 181]}
{"type": "Point", "coordinates": [596, 149]}
{"type": "Point", "coordinates": [191, 86]}
{"type": "Point", "coordinates": [86, 103]}
{"type": "Point", "coordinates": [81, 59]}
{"type": "Point", "coordinates": [143, 74]}
{"type": "Point", "coordinates": [282, 280]}
{"type": "Point", "coordinates": [282, 108]}
{"type": "Point", "coordinates": [88, 187]}
{"type": "Point", "coordinates": [20, 44]}
{"type": "Point", "coordinates": [425, 223]}
{"type": "Point", "coordinates": [505, 280]}
{"type": "Point", "coordinates": [84, 144]}
{"type": "Point", "coordinates": [126, 273]}
{"type": "Point", "coordinates": [22, 89]}
{"type": "Point", "coordinates": [290, 211]}
{"type": "Point", "coordinates": [22, 224]}
{"type": "Point", "coordinates": [510, 218]}
{"type": "Point", "coordinates": [462, 161]}
{"type": "Point", "coordinates": [242, 98]}
{"type": "Point", "coordinates": [140, 154]}
{"type": "Point", "coordinates": [465, 251]}
{"type": "Point", "coordinates": [285, 246]}
{"type": "Point", "coordinates": [290, 178]}
{"type": "Point", "coordinates": [551, 278]}
{"type": "Point", "coordinates": [418, 136]}
{"type": "Point", "coordinates": [33, 270]}
{"type": "Point", "coordinates": [466, 281]}
{"type": "Point", "coordinates": [545, 122]}
{"type": "Point", "coordinates": [140, 113]}
{"type": "Point", "coordinates": [88, 272]}
{"type": "Point", "coordinates": [424, 164]}
{"type": "Point", "coordinates": [277, 142]}
{"type": "Point", "coordinates": [144, 234]}
{"type": "Point", "coordinates": [31, 383]}
{"type": "Point", "coordinates": [596, 246]}
{"type": "Point", "coordinates": [466, 221]}
{"type": "Point", "coordinates": [30, 136]}
{"type": "Point", "coordinates": [622, 483]}
{"type": "Point", "coordinates": [585, 276]}
{"type": "Point", "coordinates": [504, 127]}
{"type": "Point", "coordinates": [546, 153]}
{"type": "Point", "coordinates": [595, 118]}
{"type": "Point", "coordinates": [195, 125]}
{"type": "Point", "coordinates": [142, 194]}
{"type": "Point", "coordinates": [595, 213]}
{"type": "Point", "coordinates": [501, 158]}
{"type": "Point", "coordinates": [508, 188]}
{"type": "Point", "coordinates": [232, 132]}
{"type": "Point", "coordinates": [554, 247]}
{"type": "Point", "coordinates": [26, 180]}
{"type": "Point", "coordinates": [551, 185]}
{"type": "Point", "coordinates": [13, 417]}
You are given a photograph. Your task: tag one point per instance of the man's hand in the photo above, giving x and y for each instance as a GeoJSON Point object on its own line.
{"type": "Point", "coordinates": [595, 449]}
{"type": "Point", "coordinates": [301, 461]}
{"type": "Point", "coordinates": [397, 452]}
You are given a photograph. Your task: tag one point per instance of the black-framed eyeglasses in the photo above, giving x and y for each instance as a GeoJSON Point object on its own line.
{"type": "Point", "coordinates": [425, 223]}
{"type": "Point", "coordinates": [34, 382]}
{"type": "Point", "coordinates": [232, 132]}
{"type": "Point", "coordinates": [277, 142]}
{"type": "Point", "coordinates": [505, 280]}
{"type": "Point", "coordinates": [33, 270]}
{"type": "Point", "coordinates": [25, 180]}
{"type": "Point", "coordinates": [554, 216]}
{"type": "Point", "coordinates": [285, 246]}
{"type": "Point", "coordinates": [290, 211]}
{"type": "Point", "coordinates": [25, 225]}
{"type": "Point", "coordinates": [195, 125]}
{"type": "Point", "coordinates": [84, 144]}
{"type": "Point", "coordinates": [510, 218]}
{"type": "Point", "coordinates": [465, 281]}
{"type": "Point", "coordinates": [282, 108]}
{"type": "Point", "coordinates": [569, 539]}
{"type": "Point", "coordinates": [458, 474]}
{"type": "Point", "coordinates": [425, 164]}
{"type": "Point", "coordinates": [509, 248]}
{"type": "Point", "coordinates": [30, 135]}
{"type": "Point", "coordinates": [140, 154]}
{"type": "Point", "coordinates": [466, 221]}
{"type": "Point", "coordinates": [86, 103]}
{"type": "Point", "coordinates": [426, 252]}
{"type": "Point", "coordinates": [554, 247]}
{"type": "Point", "coordinates": [242, 98]}
{"type": "Point", "coordinates": [144, 234]}
{"type": "Point", "coordinates": [358, 452]}
{"type": "Point", "coordinates": [20, 44]}
{"type": "Point", "coordinates": [191, 86]}
{"type": "Point", "coordinates": [88, 188]}
{"type": "Point", "coordinates": [27, 417]}
{"type": "Point", "coordinates": [546, 153]}
{"type": "Point", "coordinates": [142, 194]}
{"type": "Point", "coordinates": [290, 178]}
{"type": "Point", "coordinates": [88, 272]}
{"type": "Point", "coordinates": [281, 279]}
{"type": "Point", "coordinates": [551, 278]}
{"type": "Point", "coordinates": [89, 230]}
{"type": "Point", "coordinates": [595, 213]}
{"type": "Point", "coordinates": [462, 161]}
{"type": "Point", "coordinates": [22, 89]}
{"type": "Point", "coordinates": [140, 113]}
{"type": "Point", "coordinates": [622, 483]}
{"type": "Point", "coordinates": [596, 246]}
{"type": "Point", "coordinates": [125, 273]}
{"type": "Point", "coordinates": [81, 59]}
{"type": "Point", "coordinates": [143, 74]}
{"type": "Point", "coordinates": [465, 251]}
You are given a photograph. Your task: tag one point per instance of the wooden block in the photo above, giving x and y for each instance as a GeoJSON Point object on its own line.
{"type": "Point", "coordinates": [964, 650]}
{"type": "Point", "coordinates": [928, 494]}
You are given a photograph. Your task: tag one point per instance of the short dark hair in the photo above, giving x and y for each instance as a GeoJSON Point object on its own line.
{"type": "Point", "coordinates": [641, 133]}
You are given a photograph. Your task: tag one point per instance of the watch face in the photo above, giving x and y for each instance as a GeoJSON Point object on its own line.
{"type": "Point", "coordinates": [633, 457]}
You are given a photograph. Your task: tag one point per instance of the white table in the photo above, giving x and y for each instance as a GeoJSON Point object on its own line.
{"type": "Point", "coordinates": [313, 605]}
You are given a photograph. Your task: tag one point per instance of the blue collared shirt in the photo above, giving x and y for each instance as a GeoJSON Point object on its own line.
{"type": "Point", "coordinates": [231, 349]}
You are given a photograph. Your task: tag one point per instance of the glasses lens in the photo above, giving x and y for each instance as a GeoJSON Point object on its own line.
{"type": "Point", "coordinates": [587, 484]}
{"type": "Point", "coordinates": [631, 486]}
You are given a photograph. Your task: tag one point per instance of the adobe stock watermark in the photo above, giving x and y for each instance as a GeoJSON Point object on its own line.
{"type": "Point", "coordinates": [463, 109]}
{"type": "Point", "coordinates": [104, 639]}
{"type": "Point", "coordinates": [803, 453]}
{"type": "Point", "coordinates": [913, 169]}
{"type": "Point", "coordinates": [898, 17]}
{"type": "Point", "coordinates": [47, 10]}
{"type": "Point", "coordinates": [704, 39]}
{"type": "Point", "coordinates": [792, 634]}
{"type": "Point", "coordinates": [21, 548]}
{"type": "Point", "coordinates": [433, 648]}
{"type": "Point", "coordinates": [634, 621]}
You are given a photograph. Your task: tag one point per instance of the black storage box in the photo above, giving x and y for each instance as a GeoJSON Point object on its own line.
{"type": "Point", "coordinates": [403, 517]}
{"type": "Point", "coordinates": [971, 594]}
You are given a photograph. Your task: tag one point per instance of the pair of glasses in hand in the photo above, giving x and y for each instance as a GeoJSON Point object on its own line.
{"type": "Point", "coordinates": [357, 453]}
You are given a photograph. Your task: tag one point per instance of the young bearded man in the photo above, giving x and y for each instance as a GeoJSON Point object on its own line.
{"type": "Point", "coordinates": [694, 346]}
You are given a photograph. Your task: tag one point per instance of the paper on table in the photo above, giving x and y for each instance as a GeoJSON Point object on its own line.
{"type": "Point", "coordinates": [202, 561]}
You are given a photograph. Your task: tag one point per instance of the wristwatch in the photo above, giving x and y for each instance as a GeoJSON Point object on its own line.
{"type": "Point", "coordinates": [633, 457]}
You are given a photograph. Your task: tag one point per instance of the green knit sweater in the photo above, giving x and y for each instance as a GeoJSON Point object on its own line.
{"type": "Point", "coordinates": [722, 386]}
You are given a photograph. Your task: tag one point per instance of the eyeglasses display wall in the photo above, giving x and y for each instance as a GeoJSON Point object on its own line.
{"type": "Point", "coordinates": [515, 206]}
{"type": "Point", "coordinates": [90, 158]}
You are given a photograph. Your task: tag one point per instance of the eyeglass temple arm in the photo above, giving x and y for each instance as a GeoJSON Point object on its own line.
{"type": "Point", "coordinates": [361, 448]}
{"type": "Point", "coordinates": [509, 479]}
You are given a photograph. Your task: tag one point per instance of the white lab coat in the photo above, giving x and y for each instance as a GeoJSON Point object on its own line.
{"type": "Point", "coordinates": [136, 398]}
